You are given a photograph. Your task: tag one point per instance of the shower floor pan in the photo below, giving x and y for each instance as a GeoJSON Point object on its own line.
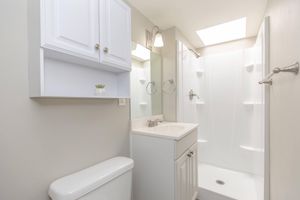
{"type": "Point", "coordinates": [216, 183]}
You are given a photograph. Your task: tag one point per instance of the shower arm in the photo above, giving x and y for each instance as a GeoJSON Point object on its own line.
{"type": "Point", "coordinates": [197, 55]}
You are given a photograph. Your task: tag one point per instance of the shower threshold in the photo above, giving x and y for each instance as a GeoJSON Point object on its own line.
{"type": "Point", "coordinates": [215, 183]}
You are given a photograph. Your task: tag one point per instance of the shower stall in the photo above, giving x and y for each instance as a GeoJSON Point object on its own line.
{"type": "Point", "coordinates": [221, 93]}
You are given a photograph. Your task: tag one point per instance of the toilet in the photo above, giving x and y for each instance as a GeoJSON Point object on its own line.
{"type": "Point", "coordinates": [109, 180]}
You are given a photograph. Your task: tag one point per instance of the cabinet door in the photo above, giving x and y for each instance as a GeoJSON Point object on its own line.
{"type": "Point", "coordinates": [115, 33]}
{"type": "Point", "coordinates": [193, 172]}
{"type": "Point", "coordinates": [71, 27]}
{"type": "Point", "coordinates": [182, 177]}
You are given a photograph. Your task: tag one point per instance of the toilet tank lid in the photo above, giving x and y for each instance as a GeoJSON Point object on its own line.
{"type": "Point", "coordinates": [79, 184]}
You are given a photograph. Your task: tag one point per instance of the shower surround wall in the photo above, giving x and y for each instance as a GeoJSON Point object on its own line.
{"type": "Point", "coordinates": [229, 108]}
{"type": "Point", "coordinates": [140, 77]}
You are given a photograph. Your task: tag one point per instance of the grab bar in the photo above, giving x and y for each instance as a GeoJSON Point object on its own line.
{"type": "Point", "coordinates": [294, 68]}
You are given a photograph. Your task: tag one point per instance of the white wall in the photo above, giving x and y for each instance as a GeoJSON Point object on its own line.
{"type": "Point", "coordinates": [156, 76]}
{"type": "Point", "coordinates": [41, 140]}
{"type": "Point", "coordinates": [169, 73]}
{"type": "Point", "coordinates": [139, 26]}
{"type": "Point", "coordinates": [285, 98]}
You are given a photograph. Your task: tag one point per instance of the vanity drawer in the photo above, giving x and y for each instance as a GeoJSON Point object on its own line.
{"type": "Point", "coordinates": [185, 143]}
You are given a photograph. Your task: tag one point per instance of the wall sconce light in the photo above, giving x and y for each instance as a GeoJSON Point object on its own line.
{"type": "Point", "coordinates": [154, 38]}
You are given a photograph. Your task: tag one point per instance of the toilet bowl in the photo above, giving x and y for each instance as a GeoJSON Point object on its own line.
{"type": "Point", "coordinates": [109, 180]}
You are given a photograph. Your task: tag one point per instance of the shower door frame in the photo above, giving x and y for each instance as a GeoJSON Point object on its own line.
{"type": "Point", "coordinates": [266, 57]}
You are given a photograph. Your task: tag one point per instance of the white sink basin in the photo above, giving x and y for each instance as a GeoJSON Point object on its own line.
{"type": "Point", "coordinates": [169, 130]}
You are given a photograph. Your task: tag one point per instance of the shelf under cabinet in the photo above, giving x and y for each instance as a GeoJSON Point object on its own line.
{"type": "Point", "coordinates": [63, 78]}
{"type": "Point", "coordinates": [81, 97]}
{"type": "Point", "coordinates": [77, 59]}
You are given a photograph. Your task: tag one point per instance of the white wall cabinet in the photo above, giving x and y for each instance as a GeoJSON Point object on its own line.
{"type": "Point", "coordinates": [76, 44]}
{"type": "Point", "coordinates": [165, 169]}
{"type": "Point", "coordinates": [71, 27]}
{"type": "Point", "coordinates": [115, 33]}
{"type": "Point", "coordinates": [97, 30]}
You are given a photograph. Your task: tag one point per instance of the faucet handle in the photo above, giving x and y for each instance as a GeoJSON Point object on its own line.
{"type": "Point", "coordinates": [159, 120]}
{"type": "Point", "coordinates": [151, 123]}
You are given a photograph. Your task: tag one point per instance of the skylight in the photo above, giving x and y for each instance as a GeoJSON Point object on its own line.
{"type": "Point", "coordinates": [226, 32]}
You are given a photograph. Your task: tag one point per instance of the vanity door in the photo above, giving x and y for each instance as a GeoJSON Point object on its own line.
{"type": "Point", "coordinates": [183, 178]}
{"type": "Point", "coordinates": [186, 175]}
{"type": "Point", "coordinates": [193, 172]}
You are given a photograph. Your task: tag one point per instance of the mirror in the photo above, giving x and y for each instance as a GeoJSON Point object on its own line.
{"type": "Point", "coordinates": [146, 82]}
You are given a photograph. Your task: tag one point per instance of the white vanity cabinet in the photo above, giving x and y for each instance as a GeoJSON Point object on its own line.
{"type": "Point", "coordinates": [165, 168]}
{"type": "Point", "coordinates": [75, 45]}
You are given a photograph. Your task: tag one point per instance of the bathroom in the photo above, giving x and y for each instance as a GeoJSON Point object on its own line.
{"type": "Point", "coordinates": [149, 99]}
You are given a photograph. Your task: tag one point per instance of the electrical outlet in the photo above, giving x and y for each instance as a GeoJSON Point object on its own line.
{"type": "Point", "coordinates": [122, 102]}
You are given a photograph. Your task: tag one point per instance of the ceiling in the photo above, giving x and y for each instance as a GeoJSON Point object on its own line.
{"type": "Point", "coordinates": [191, 15]}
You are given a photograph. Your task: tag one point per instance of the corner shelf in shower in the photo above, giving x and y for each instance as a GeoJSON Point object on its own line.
{"type": "Point", "coordinates": [200, 103]}
{"type": "Point", "coordinates": [142, 80]}
{"type": "Point", "coordinates": [143, 104]}
{"type": "Point", "coordinates": [202, 141]}
{"type": "Point", "coordinates": [199, 71]}
{"type": "Point", "coordinates": [253, 149]}
{"type": "Point", "coordinates": [249, 67]}
{"type": "Point", "coordinates": [250, 103]}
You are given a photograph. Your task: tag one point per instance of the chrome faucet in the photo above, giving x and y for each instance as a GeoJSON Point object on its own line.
{"type": "Point", "coordinates": [153, 123]}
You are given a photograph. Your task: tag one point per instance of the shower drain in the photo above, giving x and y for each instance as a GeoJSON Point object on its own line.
{"type": "Point", "coordinates": [220, 182]}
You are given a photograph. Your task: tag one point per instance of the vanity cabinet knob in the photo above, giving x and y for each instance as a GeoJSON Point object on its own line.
{"type": "Point", "coordinates": [97, 46]}
{"type": "Point", "coordinates": [105, 50]}
{"type": "Point", "coordinates": [190, 154]}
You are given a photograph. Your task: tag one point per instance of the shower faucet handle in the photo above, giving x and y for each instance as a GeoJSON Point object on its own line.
{"type": "Point", "coordinates": [192, 95]}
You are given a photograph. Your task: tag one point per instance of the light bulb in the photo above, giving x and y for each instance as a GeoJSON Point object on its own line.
{"type": "Point", "coordinates": [158, 42]}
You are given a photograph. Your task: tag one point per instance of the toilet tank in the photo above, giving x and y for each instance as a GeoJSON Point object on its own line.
{"type": "Point", "coordinates": [109, 180]}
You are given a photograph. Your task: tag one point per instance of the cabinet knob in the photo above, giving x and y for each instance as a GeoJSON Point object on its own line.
{"type": "Point", "coordinates": [105, 50]}
{"type": "Point", "coordinates": [190, 154]}
{"type": "Point", "coordinates": [97, 46]}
